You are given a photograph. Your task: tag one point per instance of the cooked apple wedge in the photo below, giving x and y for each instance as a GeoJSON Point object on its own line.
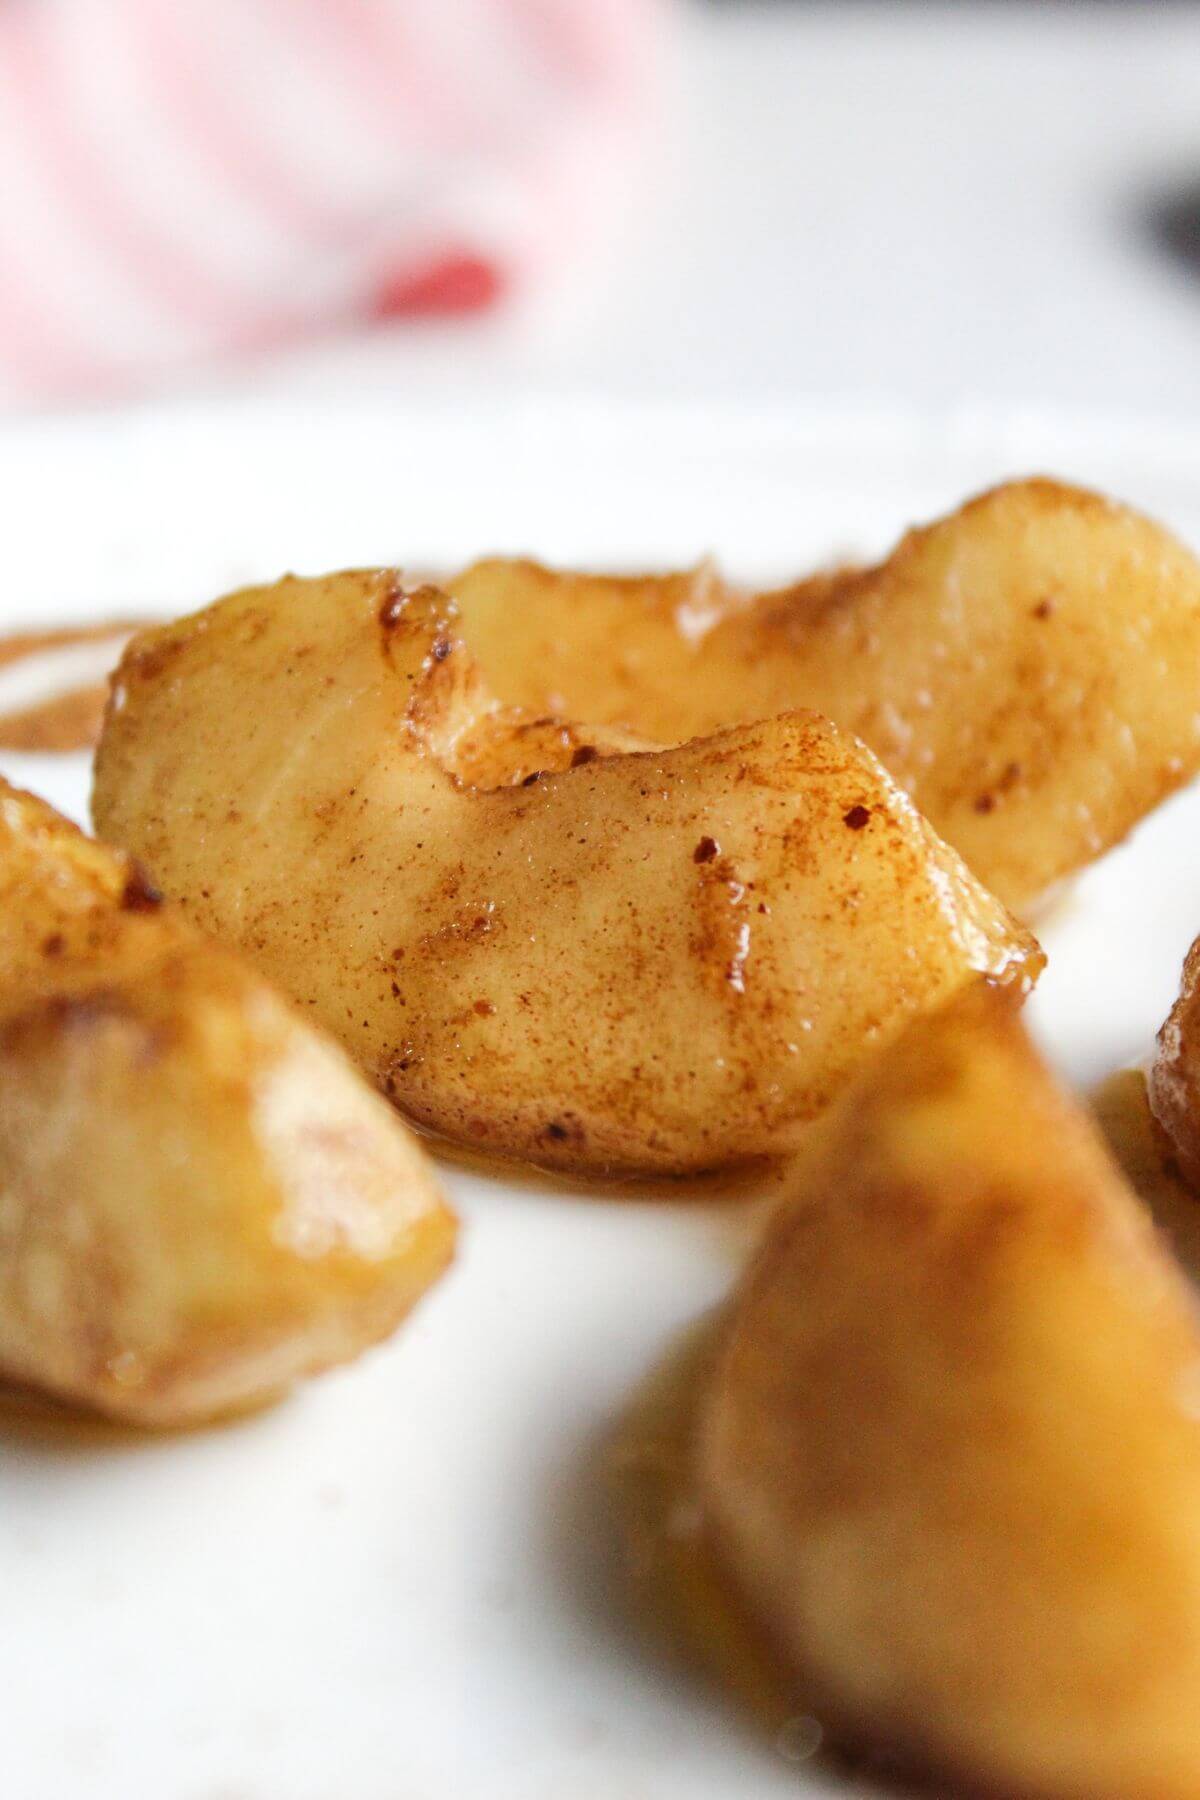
{"type": "Point", "coordinates": [951, 1454]}
{"type": "Point", "coordinates": [1028, 668]}
{"type": "Point", "coordinates": [200, 1200]}
{"type": "Point", "coordinates": [633, 961]}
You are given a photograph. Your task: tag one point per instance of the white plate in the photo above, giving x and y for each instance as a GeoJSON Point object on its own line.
{"type": "Point", "coordinates": [400, 1585]}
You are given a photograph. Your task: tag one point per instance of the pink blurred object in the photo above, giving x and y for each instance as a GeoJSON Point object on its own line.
{"type": "Point", "coordinates": [181, 181]}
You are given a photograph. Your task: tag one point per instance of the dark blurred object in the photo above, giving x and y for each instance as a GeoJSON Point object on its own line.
{"type": "Point", "coordinates": [1173, 221]}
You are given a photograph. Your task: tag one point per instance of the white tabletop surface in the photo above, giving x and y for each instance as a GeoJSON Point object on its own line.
{"type": "Point", "coordinates": [899, 205]}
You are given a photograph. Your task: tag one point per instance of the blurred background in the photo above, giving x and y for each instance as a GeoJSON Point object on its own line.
{"type": "Point", "coordinates": [886, 205]}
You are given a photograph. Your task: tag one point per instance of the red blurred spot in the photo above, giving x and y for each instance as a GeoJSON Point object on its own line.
{"type": "Point", "coordinates": [456, 283]}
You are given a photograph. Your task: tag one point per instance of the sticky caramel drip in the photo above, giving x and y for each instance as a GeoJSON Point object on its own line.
{"type": "Point", "coordinates": [69, 715]}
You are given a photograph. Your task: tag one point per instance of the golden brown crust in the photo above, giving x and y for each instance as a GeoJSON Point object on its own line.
{"type": "Point", "coordinates": [1027, 668]}
{"type": "Point", "coordinates": [549, 970]}
{"type": "Point", "coordinates": [951, 1451]}
{"type": "Point", "coordinates": [199, 1200]}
